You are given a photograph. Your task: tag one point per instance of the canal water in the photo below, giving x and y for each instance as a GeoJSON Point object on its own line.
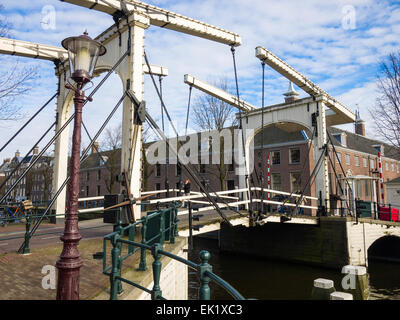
{"type": "Point", "coordinates": [276, 280]}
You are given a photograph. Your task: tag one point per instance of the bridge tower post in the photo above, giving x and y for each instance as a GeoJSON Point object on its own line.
{"type": "Point", "coordinates": [133, 78]}
{"type": "Point", "coordinates": [64, 106]}
{"type": "Point", "coordinates": [320, 146]}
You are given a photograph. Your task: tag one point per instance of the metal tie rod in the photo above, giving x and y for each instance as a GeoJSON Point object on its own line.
{"type": "Point", "coordinates": [34, 116]}
{"type": "Point", "coordinates": [64, 126]}
{"type": "Point", "coordinates": [188, 169]}
{"type": "Point", "coordinates": [82, 159]}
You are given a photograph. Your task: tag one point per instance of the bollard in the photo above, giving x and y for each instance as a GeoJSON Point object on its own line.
{"type": "Point", "coordinates": [322, 289]}
{"type": "Point", "coordinates": [156, 293]}
{"type": "Point", "coordinates": [27, 235]}
{"type": "Point", "coordinates": [356, 282]}
{"type": "Point", "coordinates": [341, 296]}
{"type": "Point", "coordinates": [205, 292]}
{"type": "Point", "coordinates": [142, 263]}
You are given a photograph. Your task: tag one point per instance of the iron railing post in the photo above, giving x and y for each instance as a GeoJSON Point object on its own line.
{"type": "Point", "coordinates": [205, 292]}
{"type": "Point", "coordinates": [172, 223]}
{"type": "Point", "coordinates": [156, 292]}
{"type": "Point", "coordinates": [176, 219]}
{"type": "Point", "coordinates": [116, 286]}
{"type": "Point", "coordinates": [162, 227]}
{"type": "Point", "coordinates": [142, 263]}
{"type": "Point", "coordinates": [190, 225]}
{"type": "Point", "coordinates": [131, 248]}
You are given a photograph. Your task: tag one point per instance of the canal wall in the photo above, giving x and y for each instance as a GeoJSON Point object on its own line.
{"type": "Point", "coordinates": [322, 244]}
{"type": "Point", "coordinates": [173, 280]}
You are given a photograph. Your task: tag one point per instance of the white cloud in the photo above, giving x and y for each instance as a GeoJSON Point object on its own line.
{"type": "Point", "coordinates": [307, 34]}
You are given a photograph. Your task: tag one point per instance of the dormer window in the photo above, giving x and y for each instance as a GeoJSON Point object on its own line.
{"type": "Point", "coordinates": [341, 138]}
{"type": "Point", "coordinates": [379, 148]}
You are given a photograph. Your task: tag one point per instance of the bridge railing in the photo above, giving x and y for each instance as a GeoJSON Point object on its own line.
{"type": "Point", "coordinates": [153, 241]}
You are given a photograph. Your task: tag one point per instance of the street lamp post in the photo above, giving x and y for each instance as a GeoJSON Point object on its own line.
{"type": "Point", "coordinates": [83, 53]}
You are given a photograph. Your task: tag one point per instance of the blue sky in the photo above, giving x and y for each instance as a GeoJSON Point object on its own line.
{"type": "Point", "coordinates": [310, 35]}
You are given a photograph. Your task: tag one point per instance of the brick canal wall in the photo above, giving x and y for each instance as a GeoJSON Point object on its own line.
{"type": "Point", "coordinates": [324, 244]}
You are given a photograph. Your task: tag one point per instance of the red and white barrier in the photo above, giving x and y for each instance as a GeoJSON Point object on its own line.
{"type": "Point", "coordinates": [381, 178]}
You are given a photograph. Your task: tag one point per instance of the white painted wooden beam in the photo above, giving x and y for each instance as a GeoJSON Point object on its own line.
{"type": "Point", "coordinates": [164, 19]}
{"type": "Point", "coordinates": [218, 93]}
{"type": "Point", "coordinates": [32, 50]}
{"type": "Point", "coordinates": [302, 82]}
{"type": "Point", "coordinates": [52, 53]}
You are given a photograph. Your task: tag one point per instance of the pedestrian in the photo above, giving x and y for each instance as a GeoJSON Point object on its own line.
{"type": "Point", "coordinates": [303, 202]}
{"type": "Point", "coordinates": [186, 189]}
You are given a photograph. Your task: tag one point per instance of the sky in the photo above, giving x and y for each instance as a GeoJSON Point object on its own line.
{"type": "Point", "coordinates": [337, 44]}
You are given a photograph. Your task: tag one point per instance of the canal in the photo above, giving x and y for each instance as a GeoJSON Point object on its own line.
{"type": "Point", "coordinates": [277, 280]}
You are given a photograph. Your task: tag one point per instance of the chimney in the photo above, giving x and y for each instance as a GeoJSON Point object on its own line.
{"type": "Point", "coordinates": [17, 154]}
{"type": "Point", "coordinates": [359, 125]}
{"type": "Point", "coordinates": [291, 95]}
{"type": "Point", "coordinates": [95, 147]}
{"type": "Point", "coordinates": [36, 151]}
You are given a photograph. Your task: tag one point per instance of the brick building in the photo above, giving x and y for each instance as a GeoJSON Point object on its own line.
{"type": "Point", "coordinates": [36, 185]}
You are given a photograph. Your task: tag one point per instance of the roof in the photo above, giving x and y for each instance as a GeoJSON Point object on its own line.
{"type": "Point", "coordinates": [364, 144]}
{"type": "Point", "coordinates": [394, 181]}
{"type": "Point", "coordinates": [93, 159]}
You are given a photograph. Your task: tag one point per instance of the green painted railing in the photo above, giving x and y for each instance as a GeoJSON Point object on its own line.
{"type": "Point", "coordinates": [204, 269]}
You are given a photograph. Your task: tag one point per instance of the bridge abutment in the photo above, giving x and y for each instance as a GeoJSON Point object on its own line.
{"type": "Point", "coordinates": [331, 242]}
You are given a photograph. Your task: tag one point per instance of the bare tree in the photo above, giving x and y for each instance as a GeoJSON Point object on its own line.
{"type": "Point", "coordinates": [14, 82]}
{"type": "Point", "coordinates": [111, 147]}
{"type": "Point", "coordinates": [386, 112]}
{"type": "Point", "coordinates": [210, 113]}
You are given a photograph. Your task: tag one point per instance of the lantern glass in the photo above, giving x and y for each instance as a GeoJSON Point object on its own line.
{"type": "Point", "coordinates": [83, 53]}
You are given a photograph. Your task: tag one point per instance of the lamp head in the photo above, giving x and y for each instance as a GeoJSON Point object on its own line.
{"type": "Point", "coordinates": [83, 53]}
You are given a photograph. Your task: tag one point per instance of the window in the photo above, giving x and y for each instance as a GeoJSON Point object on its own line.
{"type": "Point", "coordinates": [231, 167]}
{"type": "Point", "coordinates": [348, 159]}
{"type": "Point", "coordinates": [99, 175]}
{"type": "Point", "coordinates": [276, 157]}
{"type": "Point", "coordinates": [339, 185]}
{"type": "Point", "coordinates": [158, 187]}
{"type": "Point", "coordinates": [87, 191]}
{"type": "Point", "coordinates": [367, 188]}
{"type": "Point", "coordinates": [387, 166]}
{"type": "Point", "coordinates": [158, 170]}
{"type": "Point", "coordinates": [357, 161]}
{"type": "Point", "coordinates": [202, 168]}
{"type": "Point", "coordinates": [294, 155]}
{"type": "Point", "coordinates": [365, 163]}
{"type": "Point", "coordinates": [393, 167]}
{"type": "Point", "coordinates": [339, 157]}
{"type": "Point", "coordinates": [358, 188]}
{"type": "Point", "coordinates": [99, 190]}
{"type": "Point", "coordinates": [398, 169]}
{"type": "Point", "coordinates": [87, 176]}
{"type": "Point", "coordinates": [276, 182]}
{"type": "Point", "coordinates": [295, 182]}
{"type": "Point", "coordinates": [178, 169]}
{"type": "Point", "coordinates": [372, 163]}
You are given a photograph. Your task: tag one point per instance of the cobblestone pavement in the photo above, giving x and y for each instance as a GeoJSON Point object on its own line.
{"type": "Point", "coordinates": [21, 275]}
